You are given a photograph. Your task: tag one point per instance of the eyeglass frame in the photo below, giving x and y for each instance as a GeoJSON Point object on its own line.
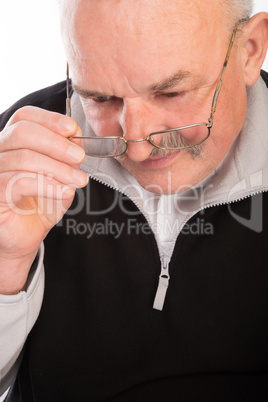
{"type": "Point", "coordinates": [209, 124]}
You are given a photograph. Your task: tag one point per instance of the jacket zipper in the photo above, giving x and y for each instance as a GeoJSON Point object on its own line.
{"type": "Point", "coordinates": [162, 284]}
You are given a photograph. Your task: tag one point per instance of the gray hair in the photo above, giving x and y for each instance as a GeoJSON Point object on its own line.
{"type": "Point", "coordinates": [236, 10]}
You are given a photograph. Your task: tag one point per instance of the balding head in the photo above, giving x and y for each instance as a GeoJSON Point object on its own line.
{"type": "Point", "coordinates": [232, 10]}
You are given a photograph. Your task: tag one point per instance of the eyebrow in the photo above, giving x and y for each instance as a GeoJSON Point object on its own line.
{"type": "Point", "coordinates": [167, 83]}
{"type": "Point", "coordinates": [170, 82]}
{"type": "Point", "coordinates": [86, 93]}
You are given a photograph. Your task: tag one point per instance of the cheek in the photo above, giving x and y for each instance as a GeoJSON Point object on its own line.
{"type": "Point", "coordinates": [228, 122]}
{"type": "Point", "coordinates": [103, 121]}
{"type": "Point", "coordinates": [230, 115]}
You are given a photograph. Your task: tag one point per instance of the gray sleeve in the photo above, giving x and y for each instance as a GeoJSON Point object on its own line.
{"type": "Point", "coordinates": [18, 314]}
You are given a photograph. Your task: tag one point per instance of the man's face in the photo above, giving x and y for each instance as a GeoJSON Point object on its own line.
{"type": "Point", "coordinates": [145, 66]}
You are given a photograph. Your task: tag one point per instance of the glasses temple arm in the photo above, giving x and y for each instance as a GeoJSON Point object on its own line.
{"type": "Point", "coordinates": [215, 98]}
{"type": "Point", "coordinates": [217, 92]}
{"type": "Point", "coordinates": [68, 100]}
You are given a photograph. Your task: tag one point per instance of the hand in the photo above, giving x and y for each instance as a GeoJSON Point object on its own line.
{"type": "Point", "coordinates": [39, 172]}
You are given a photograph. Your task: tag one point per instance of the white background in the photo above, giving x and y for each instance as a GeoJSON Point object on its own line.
{"type": "Point", "coordinates": [32, 56]}
{"type": "Point", "coordinates": [31, 51]}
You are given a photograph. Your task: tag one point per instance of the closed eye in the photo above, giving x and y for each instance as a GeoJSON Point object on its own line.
{"type": "Point", "coordinates": [102, 99]}
{"type": "Point", "coordinates": [174, 94]}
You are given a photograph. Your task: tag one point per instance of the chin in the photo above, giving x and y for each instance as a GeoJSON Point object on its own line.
{"type": "Point", "coordinates": [170, 180]}
{"type": "Point", "coordinates": [164, 183]}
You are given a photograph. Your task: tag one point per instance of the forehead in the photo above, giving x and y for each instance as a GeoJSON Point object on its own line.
{"type": "Point", "coordinates": [139, 40]}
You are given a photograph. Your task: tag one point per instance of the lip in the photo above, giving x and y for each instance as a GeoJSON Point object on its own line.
{"type": "Point", "coordinates": [159, 162]}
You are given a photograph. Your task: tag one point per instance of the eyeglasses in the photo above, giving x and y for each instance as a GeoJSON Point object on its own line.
{"type": "Point", "coordinates": [175, 139]}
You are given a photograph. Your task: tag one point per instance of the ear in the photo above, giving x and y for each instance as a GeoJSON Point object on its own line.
{"type": "Point", "coordinates": [255, 43]}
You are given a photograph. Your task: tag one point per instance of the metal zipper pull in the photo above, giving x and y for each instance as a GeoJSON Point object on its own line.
{"type": "Point", "coordinates": [162, 285]}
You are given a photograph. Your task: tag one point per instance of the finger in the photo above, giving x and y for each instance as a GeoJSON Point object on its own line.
{"type": "Point", "coordinates": [30, 161]}
{"type": "Point", "coordinates": [29, 135]}
{"type": "Point", "coordinates": [15, 186]}
{"type": "Point", "coordinates": [53, 121]}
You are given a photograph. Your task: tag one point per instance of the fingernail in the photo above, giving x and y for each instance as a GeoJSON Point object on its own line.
{"type": "Point", "coordinates": [69, 191]}
{"type": "Point", "coordinates": [80, 177]}
{"type": "Point", "coordinates": [76, 153]}
{"type": "Point", "coordinates": [66, 124]}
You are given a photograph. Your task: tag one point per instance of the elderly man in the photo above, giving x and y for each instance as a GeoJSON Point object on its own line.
{"type": "Point", "coordinates": [156, 266]}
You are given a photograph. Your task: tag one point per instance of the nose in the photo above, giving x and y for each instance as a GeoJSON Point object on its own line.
{"type": "Point", "coordinates": [136, 121]}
